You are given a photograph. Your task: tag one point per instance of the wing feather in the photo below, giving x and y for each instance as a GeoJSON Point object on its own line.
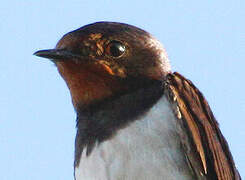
{"type": "Point", "coordinates": [210, 157]}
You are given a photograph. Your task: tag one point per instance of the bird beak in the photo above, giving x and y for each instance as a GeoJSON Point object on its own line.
{"type": "Point", "coordinates": [56, 54]}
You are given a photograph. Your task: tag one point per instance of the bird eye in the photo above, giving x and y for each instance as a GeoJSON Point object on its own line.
{"type": "Point", "coordinates": [115, 48]}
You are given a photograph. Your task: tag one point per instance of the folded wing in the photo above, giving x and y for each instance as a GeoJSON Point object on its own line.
{"type": "Point", "coordinates": [206, 149]}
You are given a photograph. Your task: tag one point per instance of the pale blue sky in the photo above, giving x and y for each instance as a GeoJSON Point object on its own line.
{"type": "Point", "coordinates": [205, 41]}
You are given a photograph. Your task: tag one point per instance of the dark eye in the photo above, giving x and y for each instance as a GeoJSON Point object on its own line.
{"type": "Point", "coordinates": [115, 49]}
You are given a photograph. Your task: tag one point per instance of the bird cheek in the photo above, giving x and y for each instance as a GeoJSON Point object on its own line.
{"type": "Point", "coordinates": [154, 73]}
{"type": "Point", "coordinates": [121, 72]}
{"type": "Point", "coordinates": [112, 69]}
{"type": "Point", "coordinates": [104, 67]}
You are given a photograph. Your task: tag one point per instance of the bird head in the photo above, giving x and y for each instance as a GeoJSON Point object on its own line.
{"type": "Point", "coordinates": [106, 59]}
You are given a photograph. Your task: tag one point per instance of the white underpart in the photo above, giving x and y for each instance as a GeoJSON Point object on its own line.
{"type": "Point", "coordinates": [148, 149]}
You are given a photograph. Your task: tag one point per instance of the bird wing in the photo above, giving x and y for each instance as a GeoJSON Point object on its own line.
{"type": "Point", "coordinates": [205, 147]}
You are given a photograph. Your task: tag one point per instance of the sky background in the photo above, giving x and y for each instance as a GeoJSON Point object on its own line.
{"type": "Point", "coordinates": [205, 41]}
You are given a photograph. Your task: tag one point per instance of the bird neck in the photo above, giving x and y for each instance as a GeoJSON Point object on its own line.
{"type": "Point", "coordinates": [89, 84]}
{"type": "Point", "coordinates": [99, 122]}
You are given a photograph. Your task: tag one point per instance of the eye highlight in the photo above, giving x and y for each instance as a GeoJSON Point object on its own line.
{"type": "Point", "coordinates": [115, 48]}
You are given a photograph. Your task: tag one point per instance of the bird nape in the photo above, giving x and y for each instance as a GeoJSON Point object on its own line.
{"type": "Point", "coordinates": [136, 119]}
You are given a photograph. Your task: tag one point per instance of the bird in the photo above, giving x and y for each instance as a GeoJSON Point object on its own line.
{"type": "Point", "coordinates": [136, 119]}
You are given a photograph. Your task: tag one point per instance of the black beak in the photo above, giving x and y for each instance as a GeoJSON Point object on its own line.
{"type": "Point", "coordinates": [57, 54]}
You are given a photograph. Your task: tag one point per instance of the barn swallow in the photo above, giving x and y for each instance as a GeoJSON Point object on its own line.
{"type": "Point", "coordinates": [136, 119]}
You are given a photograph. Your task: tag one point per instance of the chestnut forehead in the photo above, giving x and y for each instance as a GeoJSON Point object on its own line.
{"type": "Point", "coordinates": [98, 34]}
{"type": "Point", "coordinates": [73, 40]}
{"type": "Point", "coordinates": [80, 37]}
{"type": "Point", "coordinates": [109, 30]}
